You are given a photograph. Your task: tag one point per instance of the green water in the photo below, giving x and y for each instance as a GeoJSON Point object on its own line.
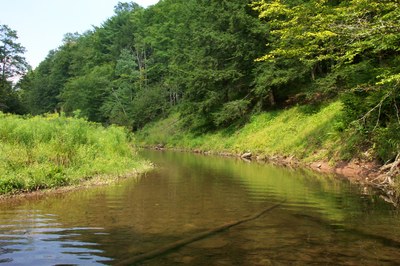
{"type": "Point", "coordinates": [323, 221]}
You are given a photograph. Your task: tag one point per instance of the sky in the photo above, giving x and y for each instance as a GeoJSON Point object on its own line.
{"type": "Point", "coordinates": [42, 24]}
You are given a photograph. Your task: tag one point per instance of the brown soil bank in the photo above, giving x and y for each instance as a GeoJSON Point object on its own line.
{"type": "Point", "coordinates": [380, 177]}
{"type": "Point", "coordinates": [355, 171]}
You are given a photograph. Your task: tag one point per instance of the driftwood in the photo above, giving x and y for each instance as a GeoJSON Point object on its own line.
{"type": "Point", "coordinates": [386, 181]}
{"type": "Point", "coordinates": [390, 171]}
{"type": "Point", "coordinates": [183, 242]}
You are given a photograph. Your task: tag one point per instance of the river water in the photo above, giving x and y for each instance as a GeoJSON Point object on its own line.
{"type": "Point", "coordinates": [323, 220]}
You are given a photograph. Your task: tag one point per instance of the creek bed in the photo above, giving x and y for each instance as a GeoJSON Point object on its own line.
{"type": "Point", "coordinates": [323, 221]}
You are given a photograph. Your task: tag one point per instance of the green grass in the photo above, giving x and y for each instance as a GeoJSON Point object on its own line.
{"type": "Point", "coordinates": [306, 132]}
{"type": "Point", "coordinates": [52, 151]}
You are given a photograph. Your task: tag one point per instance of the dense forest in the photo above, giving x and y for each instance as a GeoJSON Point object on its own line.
{"type": "Point", "coordinates": [215, 63]}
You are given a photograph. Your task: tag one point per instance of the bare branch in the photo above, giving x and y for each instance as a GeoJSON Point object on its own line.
{"type": "Point", "coordinates": [379, 107]}
{"type": "Point", "coordinates": [397, 110]}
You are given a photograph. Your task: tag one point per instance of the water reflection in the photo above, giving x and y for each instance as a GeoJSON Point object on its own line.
{"type": "Point", "coordinates": [324, 220]}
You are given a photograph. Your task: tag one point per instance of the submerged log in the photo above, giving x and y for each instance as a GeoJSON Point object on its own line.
{"type": "Point", "coordinates": [183, 242]}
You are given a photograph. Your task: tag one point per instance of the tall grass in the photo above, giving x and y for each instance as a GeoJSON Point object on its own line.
{"type": "Point", "coordinates": [307, 132]}
{"type": "Point", "coordinates": [51, 151]}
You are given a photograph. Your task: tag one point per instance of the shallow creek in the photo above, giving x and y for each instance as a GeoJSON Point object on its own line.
{"type": "Point", "coordinates": [323, 220]}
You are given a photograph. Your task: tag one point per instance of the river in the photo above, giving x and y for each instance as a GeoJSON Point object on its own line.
{"type": "Point", "coordinates": [323, 220]}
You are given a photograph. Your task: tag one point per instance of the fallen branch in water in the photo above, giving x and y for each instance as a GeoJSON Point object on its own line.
{"type": "Point", "coordinates": [389, 172]}
{"type": "Point", "coordinates": [387, 181]}
{"type": "Point", "coordinates": [183, 242]}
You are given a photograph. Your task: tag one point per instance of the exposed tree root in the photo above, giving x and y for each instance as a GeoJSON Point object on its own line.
{"type": "Point", "coordinates": [183, 242]}
{"type": "Point", "coordinates": [386, 181]}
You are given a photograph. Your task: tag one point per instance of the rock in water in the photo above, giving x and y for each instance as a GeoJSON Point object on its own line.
{"type": "Point", "coordinates": [246, 155]}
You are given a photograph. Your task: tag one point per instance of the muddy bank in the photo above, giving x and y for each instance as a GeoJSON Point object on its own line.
{"type": "Point", "coordinates": [354, 171]}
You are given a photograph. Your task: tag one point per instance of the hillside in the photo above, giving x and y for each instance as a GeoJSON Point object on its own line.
{"type": "Point", "coordinates": [304, 132]}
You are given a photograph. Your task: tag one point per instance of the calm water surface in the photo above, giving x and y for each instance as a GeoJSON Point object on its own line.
{"type": "Point", "coordinates": [323, 221]}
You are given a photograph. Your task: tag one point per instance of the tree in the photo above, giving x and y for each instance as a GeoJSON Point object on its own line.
{"type": "Point", "coordinates": [121, 92]}
{"type": "Point", "coordinates": [346, 48]}
{"type": "Point", "coordinates": [12, 65]}
{"type": "Point", "coordinates": [88, 92]}
{"type": "Point", "coordinates": [216, 60]}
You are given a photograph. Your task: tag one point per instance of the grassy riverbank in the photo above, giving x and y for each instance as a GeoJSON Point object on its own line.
{"type": "Point", "coordinates": [53, 151]}
{"type": "Point", "coordinates": [308, 133]}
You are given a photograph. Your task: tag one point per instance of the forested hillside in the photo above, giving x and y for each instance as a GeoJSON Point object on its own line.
{"type": "Point", "coordinates": [216, 63]}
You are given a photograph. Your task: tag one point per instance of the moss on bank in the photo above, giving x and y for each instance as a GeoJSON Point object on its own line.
{"type": "Point", "coordinates": [52, 151]}
{"type": "Point", "coordinates": [307, 132]}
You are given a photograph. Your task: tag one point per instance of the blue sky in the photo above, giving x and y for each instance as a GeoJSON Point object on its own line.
{"type": "Point", "coordinates": [41, 24]}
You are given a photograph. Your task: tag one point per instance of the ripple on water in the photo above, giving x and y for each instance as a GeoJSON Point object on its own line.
{"type": "Point", "coordinates": [38, 239]}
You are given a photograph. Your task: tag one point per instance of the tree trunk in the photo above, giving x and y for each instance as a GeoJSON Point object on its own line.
{"type": "Point", "coordinates": [271, 97]}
